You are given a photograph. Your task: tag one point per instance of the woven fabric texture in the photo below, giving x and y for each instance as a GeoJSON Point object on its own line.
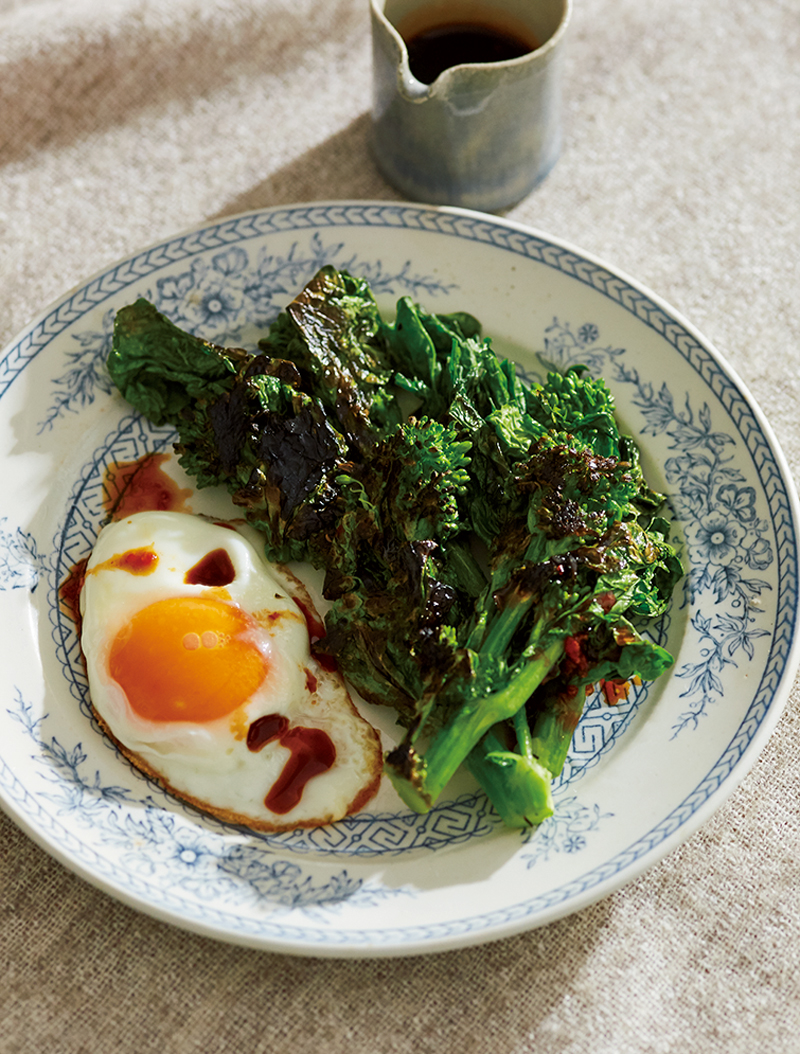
{"type": "Point", "coordinates": [124, 121]}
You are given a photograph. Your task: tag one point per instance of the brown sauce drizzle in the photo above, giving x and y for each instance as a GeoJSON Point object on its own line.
{"type": "Point", "coordinates": [137, 561]}
{"type": "Point", "coordinates": [311, 753]}
{"type": "Point", "coordinates": [128, 487]}
{"type": "Point", "coordinates": [141, 486]}
{"type": "Point", "coordinates": [69, 592]}
{"type": "Point", "coordinates": [316, 627]}
{"type": "Point", "coordinates": [264, 729]}
{"type": "Point", "coordinates": [327, 662]}
{"type": "Point", "coordinates": [141, 561]}
{"type": "Point", "coordinates": [316, 632]}
{"type": "Point", "coordinates": [214, 569]}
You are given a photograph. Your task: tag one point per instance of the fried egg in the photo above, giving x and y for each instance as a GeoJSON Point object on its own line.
{"type": "Point", "coordinates": [200, 669]}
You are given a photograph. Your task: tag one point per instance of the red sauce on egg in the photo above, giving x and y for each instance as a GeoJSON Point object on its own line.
{"type": "Point", "coordinates": [264, 729]}
{"type": "Point", "coordinates": [215, 569]}
{"type": "Point", "coordinates": [128, 487]}
{"type": "Point", "coordinates": [316, 627]}
{"type": "Point", "coordinates": [141, 486]}
{"type": "Point", "coordinates": [141, 561]}
{"type": "Point", "coordinates": [135, 561]}
{"type": "Point", "coordinates": [327, 662]}
{"type": "Point", "coordinates": [311, 753]}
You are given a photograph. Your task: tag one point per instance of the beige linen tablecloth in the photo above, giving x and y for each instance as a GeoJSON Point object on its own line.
{"type": "Point", "coordinates": [124, 121]}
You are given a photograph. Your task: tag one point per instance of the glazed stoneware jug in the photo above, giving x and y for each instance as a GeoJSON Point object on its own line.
{"type": "Point", "coordinates": [482, 134]}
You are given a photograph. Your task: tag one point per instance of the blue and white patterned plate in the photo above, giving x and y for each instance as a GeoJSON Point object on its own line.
{"type": "Point", "coordinates": [641, 776]}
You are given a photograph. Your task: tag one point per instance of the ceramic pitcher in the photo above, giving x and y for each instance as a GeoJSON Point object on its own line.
{"type": "Point", "coordinates": [482, 134]}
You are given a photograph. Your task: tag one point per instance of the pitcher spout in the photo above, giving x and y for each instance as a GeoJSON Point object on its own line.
{"type": "Point", "coordinates": [414, 90]}
{"type": "Point", "coordinates": [392, 49]}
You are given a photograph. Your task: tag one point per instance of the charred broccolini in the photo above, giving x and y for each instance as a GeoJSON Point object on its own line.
{"type": "Point", "coordinates": [489, 548]}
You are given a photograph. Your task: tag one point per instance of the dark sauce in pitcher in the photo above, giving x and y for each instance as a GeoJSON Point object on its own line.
{"type": "Point", "coordinates": [436, 48]}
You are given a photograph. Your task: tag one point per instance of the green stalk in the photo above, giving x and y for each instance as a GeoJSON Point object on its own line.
{"type": "Point", "coordinates": [523, 733]}
{"type": "Point", "coordinates": [464, 567]}
{"type": "Point", "coordinates": [516, 784]}
{"type": "Point", "coordinates": [418, 779]}
{"type": "Point", "coordinates": [552, 733]}
{"type": "Point", "coordinates": [503, 628]}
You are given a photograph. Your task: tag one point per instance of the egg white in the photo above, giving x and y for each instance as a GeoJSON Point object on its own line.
{"type": "Point", "coordinates": [209, 763]}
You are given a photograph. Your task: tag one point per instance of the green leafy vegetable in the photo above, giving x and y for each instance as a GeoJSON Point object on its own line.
{"type": "Point", "coordinates": [490, 549]}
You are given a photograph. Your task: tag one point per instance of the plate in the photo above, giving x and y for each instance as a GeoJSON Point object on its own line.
{"type": "Point", "coordinates": [641, 776]}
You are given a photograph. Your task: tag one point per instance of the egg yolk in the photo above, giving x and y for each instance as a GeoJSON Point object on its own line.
{"type": "Point", "coordinates": [187, 659]}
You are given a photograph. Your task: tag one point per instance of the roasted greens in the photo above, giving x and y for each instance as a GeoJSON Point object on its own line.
{"type": "Point", "coordinates": [490, 548]}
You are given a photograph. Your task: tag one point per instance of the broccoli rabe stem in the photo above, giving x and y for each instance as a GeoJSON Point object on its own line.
{"type": "Point", "coordinates": [522, 731]}
{"type": "Point", "coordinates": [465, 568]}
{"type": "Point", "coordinates": [501, 629]}
{"type": "Point", "coordinates": [420, 780]}
{"type": "Point", "coordinates": [516, 784]}
{"type": "Point", "coordinates": [553, 730]}
{"type": "Point", "coordinates": [519, 785]}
